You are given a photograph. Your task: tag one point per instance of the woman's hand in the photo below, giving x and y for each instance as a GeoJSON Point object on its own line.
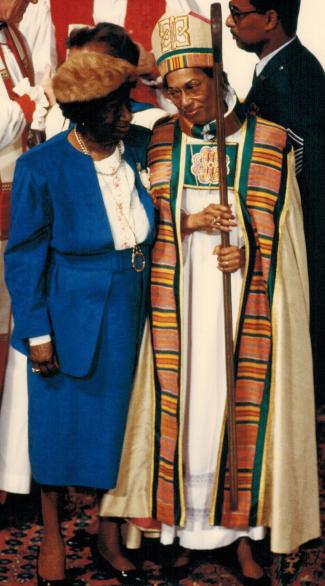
{"type": "Point", "coordinates": [147, 66]}
{"type": "Point", "coordinates": [230, 258]}
{"type": "Point", "coordinates": [43, 359]}
{"type": "Point", "coordinates": [213, 217]}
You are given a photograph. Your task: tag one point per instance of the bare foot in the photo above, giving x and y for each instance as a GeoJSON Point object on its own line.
{"type": "Point", "coordinates": [51, 559]}
{"type": "Point", "coordinates": [249, 567]}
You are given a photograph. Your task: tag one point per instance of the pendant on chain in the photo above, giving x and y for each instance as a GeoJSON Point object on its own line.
{"type": "Point", "coordinates": [138, 260]}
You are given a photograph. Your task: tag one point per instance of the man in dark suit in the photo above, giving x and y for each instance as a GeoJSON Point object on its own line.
{"type": "Point", "coordinates": [289, 88]}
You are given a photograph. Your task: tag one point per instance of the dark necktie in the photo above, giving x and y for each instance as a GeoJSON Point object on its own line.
{"type": "Point", "coordinates": [249, 103]}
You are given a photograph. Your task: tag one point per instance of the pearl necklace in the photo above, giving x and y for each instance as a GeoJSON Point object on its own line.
{"type": "Point", "coordinates": [85, 151]}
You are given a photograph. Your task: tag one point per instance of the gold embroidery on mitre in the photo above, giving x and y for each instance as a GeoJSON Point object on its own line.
{"type": "Point", "coordinates": [205, 165]}
{"type": "Point", "coordinates": [174, 33]}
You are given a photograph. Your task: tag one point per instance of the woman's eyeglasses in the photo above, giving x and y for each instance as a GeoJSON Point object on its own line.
{"type": "Point", "coordinates": [191, 90]}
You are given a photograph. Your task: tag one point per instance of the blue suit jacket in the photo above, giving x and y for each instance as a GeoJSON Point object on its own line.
{"type": "Point", "coordinates": [60, 256]}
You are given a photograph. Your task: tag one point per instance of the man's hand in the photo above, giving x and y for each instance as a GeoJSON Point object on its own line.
{"type": "Point", "coordinates": [43, 359]}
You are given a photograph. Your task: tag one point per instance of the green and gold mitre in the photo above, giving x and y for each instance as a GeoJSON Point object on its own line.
{"type": "Point", "coordinates": [180, 41]}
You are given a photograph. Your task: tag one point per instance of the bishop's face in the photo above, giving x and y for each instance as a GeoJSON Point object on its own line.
{"type": "Point", "coordinates": [192, 92]}
{"type": "Point", "coordinates": [12, 11]}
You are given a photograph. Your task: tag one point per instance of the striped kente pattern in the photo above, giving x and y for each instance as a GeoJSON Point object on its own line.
{"type": "Point", "coordinates": [183, 59]}
{"type": "Point", "coordinates": [165, 328]}
{"type": "Point", "coordinates": [253, 354]}
{"type": "Point", "coordinates": [259, 189]}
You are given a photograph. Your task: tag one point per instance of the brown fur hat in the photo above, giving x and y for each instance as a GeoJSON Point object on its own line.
{"type": "Point", "coordinates": [87, 75]}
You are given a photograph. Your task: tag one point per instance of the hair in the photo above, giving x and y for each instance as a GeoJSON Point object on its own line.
{"type": "Point", "coordinates": [288, 11]}
{"type": "Point", "coordinates": [91, 112]}
{"type": "Point", "coordinates": [116, 40]}
{"type": "Point", "coordinates": [117, 44]}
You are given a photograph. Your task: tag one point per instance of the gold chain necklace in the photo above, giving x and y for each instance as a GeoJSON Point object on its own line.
{"type": "Point", "coordinates": [138, 261]}
{"type": "Point", "coordinates": [85, 151]}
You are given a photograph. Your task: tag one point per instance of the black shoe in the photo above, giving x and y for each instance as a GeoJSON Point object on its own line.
{"type": "Point", "coordinates": [176, 573]}
{"type": "Point", "coordinates": [47, 582]}
{"type": "Point", "coordinates": [130, 577]}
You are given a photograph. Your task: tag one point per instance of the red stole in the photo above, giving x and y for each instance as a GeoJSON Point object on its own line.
{"type": "Point", "coordinates": [66, 13]}
{"type": "Point", "coordinates": [16, 44]}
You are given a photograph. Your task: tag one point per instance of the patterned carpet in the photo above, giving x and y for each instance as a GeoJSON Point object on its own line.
{"type": "Point", "coordinates": [20, 534]}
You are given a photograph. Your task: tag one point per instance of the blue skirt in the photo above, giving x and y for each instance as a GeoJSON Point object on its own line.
{"type": "Point", "coordinates": [77, 425]}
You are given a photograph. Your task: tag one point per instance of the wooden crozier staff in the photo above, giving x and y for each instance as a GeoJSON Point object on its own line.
{"type": "Point", "coordinates": [216, 32]}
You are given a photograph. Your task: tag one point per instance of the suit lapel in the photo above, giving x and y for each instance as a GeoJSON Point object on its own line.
{"type": "Point", "coordinates": [278, 63]}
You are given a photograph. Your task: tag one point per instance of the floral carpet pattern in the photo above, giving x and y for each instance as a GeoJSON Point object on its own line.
{"type": "Point", "coordinates": [20, 534]}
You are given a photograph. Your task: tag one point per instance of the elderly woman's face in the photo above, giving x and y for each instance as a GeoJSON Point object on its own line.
{"type": "Point", "coordinates": [110, 123]}
{"type": "Point", "coordinates": [192, 92]}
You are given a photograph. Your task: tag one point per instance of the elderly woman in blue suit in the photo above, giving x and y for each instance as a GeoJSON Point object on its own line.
{"type": "Point", "coordinates": [77, 264]}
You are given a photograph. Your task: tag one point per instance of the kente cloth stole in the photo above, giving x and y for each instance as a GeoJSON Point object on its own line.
{"type": "Point", "coordinates": [262, 193]}
{"type": "Point", "coordinates": [8, 158]}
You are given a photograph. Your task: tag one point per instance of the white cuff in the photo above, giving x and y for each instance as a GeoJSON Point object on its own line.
{"type": "Point", "coordinates": [154, 83]}
{"type": "Point", "coordinates": [37, 94]}
{"type": "Point", "coordinates": [40, 340]}
{"type": "Point", "coordinates": [230, 99]}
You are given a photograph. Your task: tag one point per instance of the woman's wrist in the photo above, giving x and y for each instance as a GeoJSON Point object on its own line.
{"type": "Point", "coordinates": [187, 223]}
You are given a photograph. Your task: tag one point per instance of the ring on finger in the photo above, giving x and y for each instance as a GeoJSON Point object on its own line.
{"type": "Point", "coordinates": [36, 370]}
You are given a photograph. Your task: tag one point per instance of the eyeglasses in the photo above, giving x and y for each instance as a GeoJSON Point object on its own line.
{"type": "Point", "coordinates": [237, 15]}
{"type": "Point", "coordinates": [191, 90]}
